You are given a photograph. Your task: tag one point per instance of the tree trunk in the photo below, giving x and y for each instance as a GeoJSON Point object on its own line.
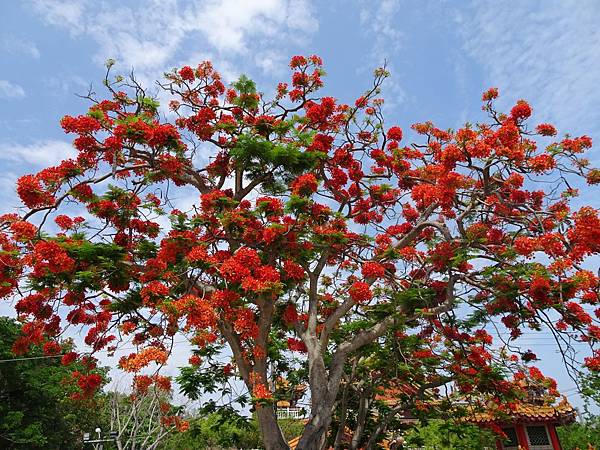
{"type": "Point", "coordinates": [270, 431]}
{"type": "Point", "coordinates": [315, 432]}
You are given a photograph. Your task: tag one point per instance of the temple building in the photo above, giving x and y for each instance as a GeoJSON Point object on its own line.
{"type": "Point", "coordinates": [532, 425]}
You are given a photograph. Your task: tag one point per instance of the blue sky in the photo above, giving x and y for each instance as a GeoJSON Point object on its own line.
{"type": "Point", "coordinates": [442, 55]}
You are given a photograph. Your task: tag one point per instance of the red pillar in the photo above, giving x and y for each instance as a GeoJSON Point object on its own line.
{"type": "Point", "coordinates": [522, 436]}
{"type": "Point", "coordinates": [554, 437]}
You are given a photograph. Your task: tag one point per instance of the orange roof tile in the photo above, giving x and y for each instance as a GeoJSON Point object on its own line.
{"type": "Point", "coordinates": [294, 443]}
{"type": "Point", "coordinates": [562, 412]}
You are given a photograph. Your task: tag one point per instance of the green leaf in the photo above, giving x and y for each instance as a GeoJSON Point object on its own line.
{"type": "Point", "coordinates": [148, 103]}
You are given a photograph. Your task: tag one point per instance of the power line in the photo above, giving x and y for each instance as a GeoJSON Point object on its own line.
{"type": "Point", "coordinates": [31, 357]}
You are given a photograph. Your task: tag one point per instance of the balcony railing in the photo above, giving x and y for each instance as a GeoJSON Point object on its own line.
{"type": "Point", "coordinates": [291, 413]}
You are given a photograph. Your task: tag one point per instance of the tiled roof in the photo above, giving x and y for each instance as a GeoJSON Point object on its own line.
{"type": "Point", "coordinates": [562, 412]}
{"type": "Point", "coordinates": [294, 443]}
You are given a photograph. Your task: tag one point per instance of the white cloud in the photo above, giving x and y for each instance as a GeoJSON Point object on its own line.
{"type": "Point", "coordinates": [153, 35]}
{"type": "Point", "coordinates": [11, 90]}
{"type": "Point", "coordinates": [43, 153]}
{"type": "Point", "coordinates": [142, 38]}
{"type": "Point", "coordinates": [300, 16]}
{"type": "Point", "coordinates": [64, 13]}
{"type": "Point", "coordinates": [226, 23]}
{"type": "Point", "coordinates": [379, 20]}
{"type": "Point", "coordinates": [271, 61]}
{"type": "Point", "coordinates": [19, 46]}
{"type": "Point", "coordinates": [548, 54]}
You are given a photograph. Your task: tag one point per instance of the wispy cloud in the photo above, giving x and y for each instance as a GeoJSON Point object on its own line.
{"type": "Point", "coordinates": [159, 32]}
{"type": "Point", "coordinates": [547, 52]}
{"type": "Point", "coordinates": [65, 13]}
{"type": "Point", "coordinates": [19, 46]}
{"type": "Point", "coordinates": [379, 20]}
{"type": "Point", "coordinates": [11, 90]}
{"type": "Point", "coordinates": [41, 154]}
{"type": "Point", "coordinates": [228, 24]}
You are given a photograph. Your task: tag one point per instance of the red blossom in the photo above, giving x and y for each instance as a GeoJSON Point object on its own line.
{"type": "Point", "coordinates": [539, 289]}
{"type": "Point", "coordinates": [490, 94]}
{"type": "Point", "coordinates": [395, 133]}
{"type": "Point", "coordinates": [64, 222]}
{"type": "Point", "coordinates": [31, 192]}
{"type": "Point", "coordinates": [293, 270]}
{"type": "Point", "coordinates": [23, 231]}
{"type": "Point", "coordinates": [68, 358]}
{"type": "Point", "coordinates": [521, 110]}
{"type": "Point", "coordinates": [198, 254]}
{"type": "Point", "coordinates": [305, 184]}
{"type": "Point", "coordinates": [261, 392]}
{"type": "Point", "coordinates": [80, 124]}
{"type": "Point", "coordinates": [360, 292]}
{"type": "Point", "coordinates": [545, 129]}
{"type": "Point", "coordinates": [372, 270]}
{"type": "Point", "coordinates": [297, 61]}
{"type": "Point", "coordinates": [290, 315]}
{"type": "Point", "coordinates": [541, 163]}
{"type": "Point", "coordinates": [296, 345]}
{"type": "Point", "coordinates": [187, 73]}
{"type": "Point", "coordinates": [52, 348]}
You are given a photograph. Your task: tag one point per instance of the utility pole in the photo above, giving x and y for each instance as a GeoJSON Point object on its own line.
{"type": "Point", "coordinates": [98, 443]}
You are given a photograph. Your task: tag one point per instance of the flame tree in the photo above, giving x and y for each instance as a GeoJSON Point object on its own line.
{"type": "Point", "coordinates": [315, 231]}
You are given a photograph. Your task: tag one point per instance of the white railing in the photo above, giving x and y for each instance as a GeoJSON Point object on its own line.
{"type": "Point", "coordinates": [290, 413]}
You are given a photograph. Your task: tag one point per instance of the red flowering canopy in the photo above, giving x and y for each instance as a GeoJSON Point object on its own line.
{"type": "Point", "coordinates": [315, 230]}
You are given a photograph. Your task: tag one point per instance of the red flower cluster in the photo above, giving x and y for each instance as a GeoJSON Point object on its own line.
{"type": "Point", "coordinates": [137, 361]}
{"type": "Point", "coordinates": [187, 73]}
{"type": "Point", "coordinates": [88, 384]}
{"type": "Point", "coordinates": [80, 124]}
{"type": "Point", "coordinates": [23, 231]}
{"type": "Point", "coordinates": [521, 111]}
{"type": "Point", "coordinates": [395, 133]}
{"type": "Point", "coordinates": [305, 185]}
{"type": "Point", "coordinates": [293, 270]}
{"type": "Point", "coordinates": [31, 192]}
{"type": "Point", "coordinates": [360, 292]}
{"type": "Point", "coordinates": [545, 129]}
{"type": "Point", "coordinates": [261, 392]}
{"type": "Point", "coordinates": [372, 270]}
{"type": "Point", "coordinates": [296, 345]}
{"type": "Point", "coordinates": [50, 258]}
{"type": "Point", "coordinates": [290, 315]}
{"type": "Point", "coordinates": [490, 94]}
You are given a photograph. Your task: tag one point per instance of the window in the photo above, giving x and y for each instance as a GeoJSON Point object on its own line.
{"type": "Point", "coordinates": [538, 437]}
{"type": "Point", "coordinates": [511, 440]}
